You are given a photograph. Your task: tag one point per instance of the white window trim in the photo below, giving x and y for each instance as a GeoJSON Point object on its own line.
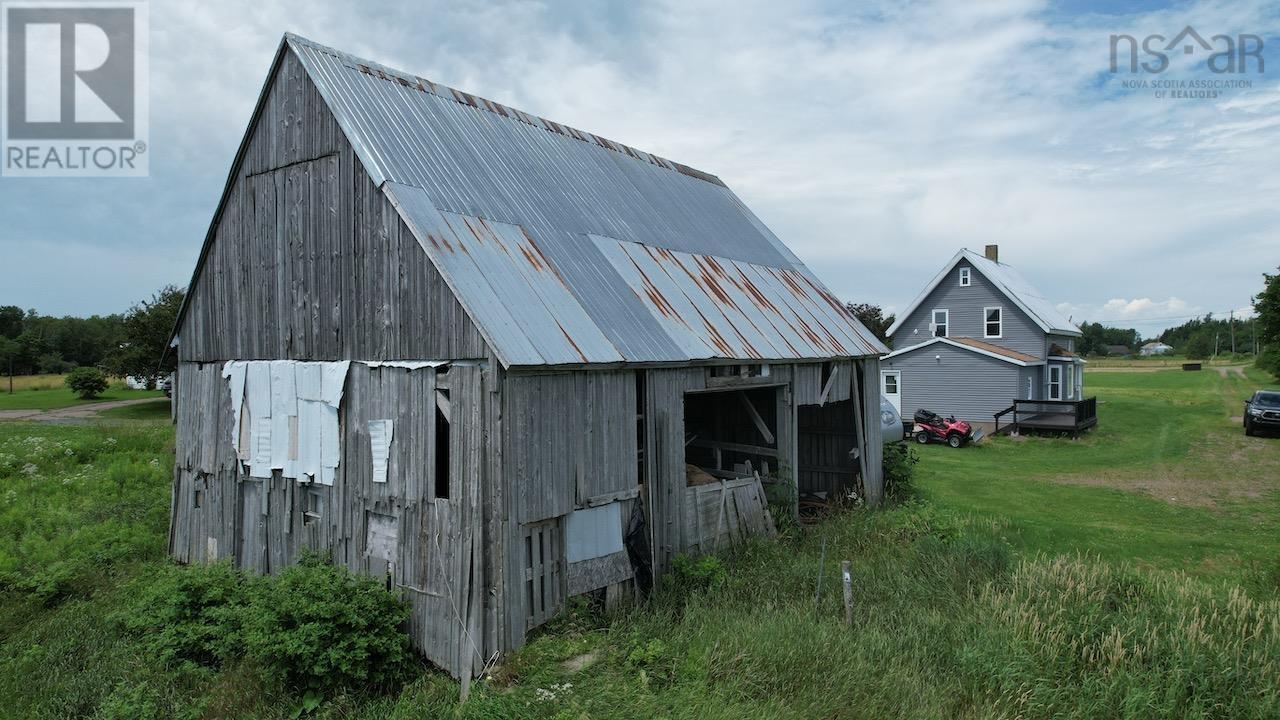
{"type": "Point", "coordinates": [966, 277]}
{"type": "Point", "coordinates": [897, 379]}
{"type": "Point", "coordinates": [1030, 389]}
{"type": "Point", "coordinates": [984, 321]}
{"type": "Point", "coordinates": [1055, 388]}
{"type": "Point", "coordinates": [933, 321]}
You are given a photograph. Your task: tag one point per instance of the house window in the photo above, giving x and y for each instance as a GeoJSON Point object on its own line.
{"type": "Point", "coordinates": [993, 326]}
{"type": "Point", "coordinates": [1071, 382]}
{"type": "Point", "coordinates": [890, 384]}
{"type": "Point", "coordinates": [940, 318]}
{"type": "Point", "coordinates": [1055, 382]}
{"type": "Point", "coordinates": [964, 277]}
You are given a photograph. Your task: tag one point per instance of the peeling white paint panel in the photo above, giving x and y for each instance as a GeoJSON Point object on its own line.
{"type": "Point", "coordinates": [593, 532]}
{"type": "Point", "coordinates": [380, 432]}
{"type": "Point", "coordinates": [406, 364]}
{"type": "Point", "coordinates": [286, 416]}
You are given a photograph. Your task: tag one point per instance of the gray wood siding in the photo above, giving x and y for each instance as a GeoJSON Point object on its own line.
{"type": "Point", "coordinates": [310, 260]}
{"type": "Point", "coordinates": [966, 304]}
{"type": "Point", "coordinates": [571, 438]}
{"type": "Point", "coordinates": [261, 523]}
{"type": "Point", "coordinates": [971, 386]}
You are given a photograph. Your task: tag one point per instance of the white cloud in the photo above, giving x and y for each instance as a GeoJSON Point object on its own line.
{"type": "Point", "coordinates": [875, 139]}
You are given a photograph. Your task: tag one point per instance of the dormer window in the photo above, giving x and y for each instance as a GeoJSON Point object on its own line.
{"type": "Point", "coordinates": [964, 277]}
{"type": "Point", "coordinates": [940, 323]}
{"type": "Point", "coordinates": [993, 323]}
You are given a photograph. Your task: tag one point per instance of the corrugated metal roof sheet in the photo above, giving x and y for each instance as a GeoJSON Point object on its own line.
{"type": "Point", "coordinates": [528, 215]}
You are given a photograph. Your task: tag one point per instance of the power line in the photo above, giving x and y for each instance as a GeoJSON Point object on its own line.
{"type": "Point", "coordinates": [1169, 317]}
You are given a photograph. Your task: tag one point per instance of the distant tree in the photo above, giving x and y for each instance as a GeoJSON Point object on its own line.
{"type": "Point", "coordinates": [873, 317]}
{"type": "Point", "coordinates": [1199, 347]}
{"type": "Point", "coordinates": [1267, 306]}
{"type": "Point", "coordinates": [11, 317]}
{"type": "Point", "coordinates": [146, 337]}
{"type": "Point", "coordinates": [87, 382]}
{"type": "Point", "coordinates": [8, 356]}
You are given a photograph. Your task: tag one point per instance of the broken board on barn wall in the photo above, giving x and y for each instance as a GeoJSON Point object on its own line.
{"type": "Point", "coordinates": [725, 513]}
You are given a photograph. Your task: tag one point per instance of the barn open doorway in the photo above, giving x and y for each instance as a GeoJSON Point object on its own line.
{"type": "Point", "coordinates": [732, 453]}
{"type": "Point", "coordinates": [731, 434]}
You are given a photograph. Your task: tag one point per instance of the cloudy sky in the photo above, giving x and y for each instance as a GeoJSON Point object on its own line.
{"type": "Point", "coordinates": [874, 138]}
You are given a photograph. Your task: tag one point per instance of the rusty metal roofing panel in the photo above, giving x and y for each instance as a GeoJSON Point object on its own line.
{"type": "Point", "coordinates": [723, 308]}
{"type": "Point", "coordinates": [530, 222]}
{"type": "Point", "coordinates": [504, 280]}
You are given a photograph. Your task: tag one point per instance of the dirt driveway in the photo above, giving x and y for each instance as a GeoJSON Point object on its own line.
{"type": "Point", "coordinates": [75, 413]}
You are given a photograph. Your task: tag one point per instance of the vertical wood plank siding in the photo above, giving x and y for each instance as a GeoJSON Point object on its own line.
{"type": "Point", "coordinates": [310, 260]}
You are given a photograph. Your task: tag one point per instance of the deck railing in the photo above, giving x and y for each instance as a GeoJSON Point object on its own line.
{"type": "Point", "coordinates": [1073, 416]}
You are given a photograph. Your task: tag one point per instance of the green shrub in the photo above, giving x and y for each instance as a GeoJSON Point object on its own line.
{"type": "Point", "coordinates": [318, 627]}
{"type": "Point", "coordinates": [703, 572]}
{"type": "Point", "coordinates": [1269, 361]}
{"type": "Point", "coordinates": [899, 466]}
{"type": "Point", "coordinates": [87, 382]}
{"type": "Point", "coordinates": [191, 614]}
{"type": "Point", "coordinates": [313, 627]}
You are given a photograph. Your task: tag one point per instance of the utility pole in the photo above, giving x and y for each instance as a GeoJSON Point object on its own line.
{"type": "Point", "coordinates": [1232, 323]}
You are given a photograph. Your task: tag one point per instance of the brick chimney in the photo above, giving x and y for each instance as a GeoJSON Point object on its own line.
{"type": "Point", "coordinates": [993, 253]}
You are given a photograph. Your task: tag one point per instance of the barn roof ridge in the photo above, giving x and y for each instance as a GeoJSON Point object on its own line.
{"type": "Point", "coordinates": [422, 84]}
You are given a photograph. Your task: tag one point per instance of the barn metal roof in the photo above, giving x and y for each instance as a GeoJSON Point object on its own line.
{"type": "Point", "coordinates": [569, 248]}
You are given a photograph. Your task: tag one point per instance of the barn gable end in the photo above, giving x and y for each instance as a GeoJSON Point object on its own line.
{"type": "Point", "coordinates": [308, 259]}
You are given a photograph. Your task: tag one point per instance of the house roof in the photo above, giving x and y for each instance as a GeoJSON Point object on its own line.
{"type": "Point", "coordinates": [998, 352]}
{"type": "Point", "coordinates": [569, 248]}
{"type": "Point", "coordinates": [1008, 281]}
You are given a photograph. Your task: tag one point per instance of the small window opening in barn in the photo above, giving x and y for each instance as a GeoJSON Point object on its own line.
{"type": "Point", "coordinates": [730, 434]}
{"type": "Point", "coordinates": [443, 414]}
{"type": "Point", "coordinates": [641, 393]}
{"type": "Point", "coordinates": [197, 498]}
{"type": "Point", "coordinates": [313, 506]}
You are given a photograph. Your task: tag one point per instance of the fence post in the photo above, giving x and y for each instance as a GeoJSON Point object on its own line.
{"type": "Point", "coordinates": [846, 575]}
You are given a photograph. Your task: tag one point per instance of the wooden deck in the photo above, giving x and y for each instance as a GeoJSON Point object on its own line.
{"type": "Point", "coordinates": [1073, 416]}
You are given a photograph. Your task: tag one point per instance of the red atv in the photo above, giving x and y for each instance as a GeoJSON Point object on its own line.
{"type": "Point", "coordinates": [956, 433]}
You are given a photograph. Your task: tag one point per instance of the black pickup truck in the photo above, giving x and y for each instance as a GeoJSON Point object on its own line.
{"type": "Point", "coordinates": [1262, 412]}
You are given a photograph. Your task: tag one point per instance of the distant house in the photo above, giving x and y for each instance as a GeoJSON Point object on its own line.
{"type": "Point", "coordinates": [1122, 351]}
{"type": "Point", "coordinates": [978, 337]}
{"type": "Point", "coordinates": [1155, 348]}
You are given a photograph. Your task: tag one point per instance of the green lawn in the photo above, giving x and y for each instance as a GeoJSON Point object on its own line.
{"type": "Point", "coordinates": [1167, 479]}
{"type": "Point", "coordinates": [971, 600]}
{"type": "Point", "coordinates": [62, 397]}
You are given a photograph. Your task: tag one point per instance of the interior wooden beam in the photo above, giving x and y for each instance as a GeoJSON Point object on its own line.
{"type": "Point", "coordinates": [755, 418]}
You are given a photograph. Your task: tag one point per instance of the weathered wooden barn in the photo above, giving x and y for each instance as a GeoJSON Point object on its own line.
{"type": "Point", "coordinates": [495, 359]}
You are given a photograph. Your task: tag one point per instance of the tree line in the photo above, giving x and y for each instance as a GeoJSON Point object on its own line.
{"type": "Point", "coordinates": [126, 344]}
